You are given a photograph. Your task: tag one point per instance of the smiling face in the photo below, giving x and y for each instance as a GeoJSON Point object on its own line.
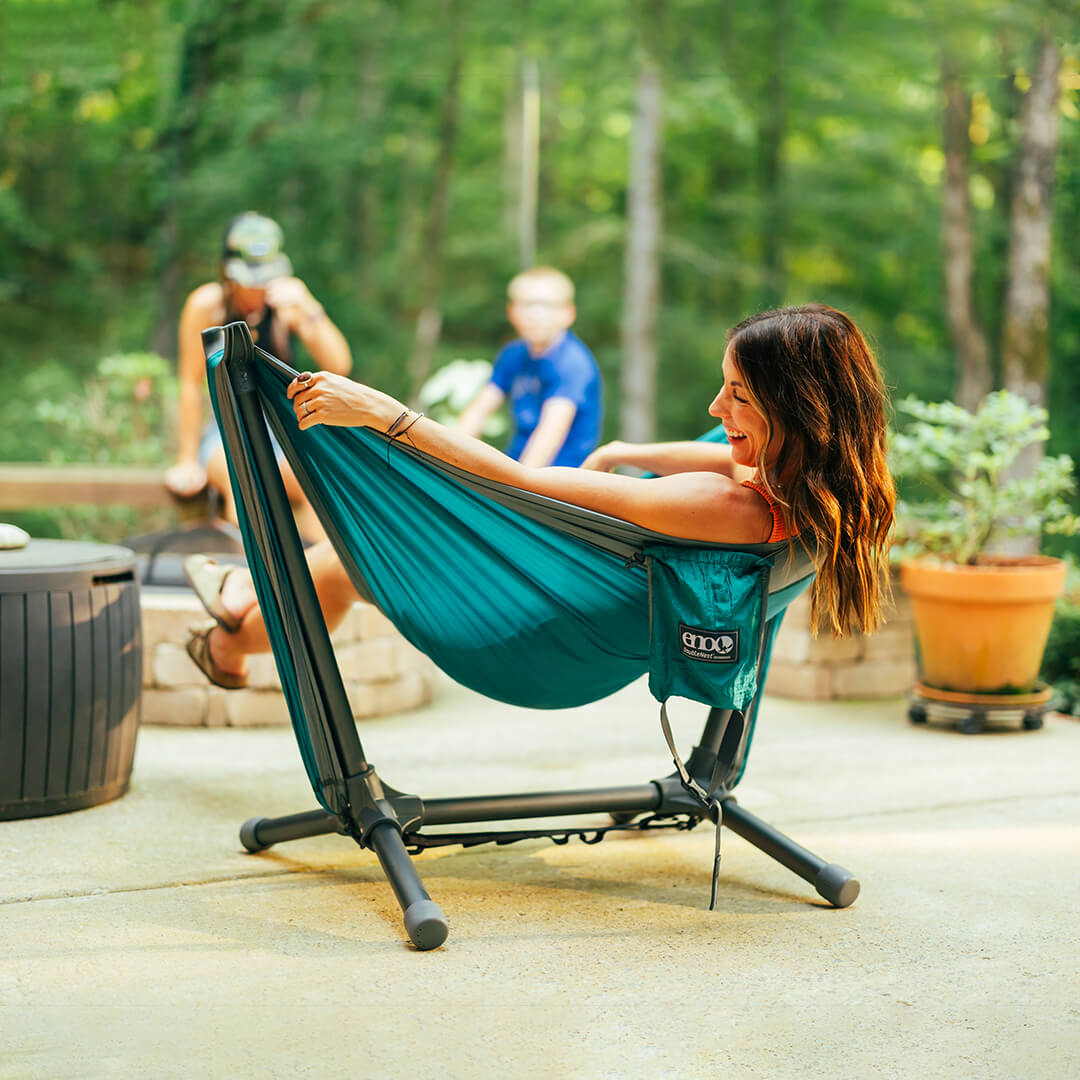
{"type": "Point", "coordinates": [746, 427]}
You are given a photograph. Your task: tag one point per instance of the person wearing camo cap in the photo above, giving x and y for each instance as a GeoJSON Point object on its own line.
{"type": "Point", "coordinates": [256, 284]}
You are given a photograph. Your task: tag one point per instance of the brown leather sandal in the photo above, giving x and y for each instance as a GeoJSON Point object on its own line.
{"type": "Point", "coordinates": [198, 648]}
{"type": "Point", "coordinates": [207, 578]}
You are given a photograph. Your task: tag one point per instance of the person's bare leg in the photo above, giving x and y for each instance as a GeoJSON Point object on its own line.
{"type": "Point", "coordinates": [238, 592]}
{"type": "Point", "coordinates": [307, 521]}
{"type": "Point", "coordinates": [332, 586]}
{"type": "Point", "coordinates": [217, 475]}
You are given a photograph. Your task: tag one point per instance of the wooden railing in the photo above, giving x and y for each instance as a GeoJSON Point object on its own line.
{"type": "Point", "coordinates": [33, 486]}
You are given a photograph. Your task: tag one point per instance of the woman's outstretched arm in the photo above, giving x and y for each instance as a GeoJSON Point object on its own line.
{"type": "Point", "coordinates": [696, 505]}
{"type": "Point", "coordinates": [665, 458]}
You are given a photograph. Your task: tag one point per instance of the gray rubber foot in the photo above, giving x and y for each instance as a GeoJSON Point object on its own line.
{"type": "Point", "coordinates": [247, 834]}
{"type": "Point", "coordinates": [426, 924]}
{"type": "Point", "coordinates": [837, 885]}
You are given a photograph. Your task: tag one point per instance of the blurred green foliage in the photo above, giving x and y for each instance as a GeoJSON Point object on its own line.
{"type": "Point", "coordinates": [121, 414]}
{"type": "Point", "coordinates": [1061, 661]}
{"type": "Point", "coordinates": [801, 161]}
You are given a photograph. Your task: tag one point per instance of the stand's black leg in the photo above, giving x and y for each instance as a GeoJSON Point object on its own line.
{"type": "Point", "coordinates": [259, 833]}
{"type": "Point", "coordinates": [424, 921]}
{"type": "Point", "coordinates": [711, 736]}
{"type": "Point", "coordinates": [833, 882]}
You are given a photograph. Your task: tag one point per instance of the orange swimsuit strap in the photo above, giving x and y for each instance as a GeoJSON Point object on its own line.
{"type": "Point", "coordinates": [779, 531]}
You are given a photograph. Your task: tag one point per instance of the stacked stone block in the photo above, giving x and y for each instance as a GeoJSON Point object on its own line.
{"type": "Point", "coordinates": [382, 672]}
{"type": "Point", "coordinates": [824, 668]}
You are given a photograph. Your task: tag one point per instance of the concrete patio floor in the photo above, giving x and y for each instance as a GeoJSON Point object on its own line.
{"type": "Point", "coordinates": [139, 940]}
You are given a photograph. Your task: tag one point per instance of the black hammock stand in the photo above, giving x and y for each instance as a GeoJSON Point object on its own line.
{"type": "Point", "coordinates": [391, 822]}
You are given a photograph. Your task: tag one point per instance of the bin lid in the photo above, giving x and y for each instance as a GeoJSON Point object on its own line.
{"type": "Point", "coordinates": [47, 565]}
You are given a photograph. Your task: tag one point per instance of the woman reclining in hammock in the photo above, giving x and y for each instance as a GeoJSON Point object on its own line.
{"type": "Point", "coordinates": [803, 406]}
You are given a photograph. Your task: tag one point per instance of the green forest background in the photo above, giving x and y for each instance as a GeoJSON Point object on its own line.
{"type": "Point", "coordinates": [802, 159]}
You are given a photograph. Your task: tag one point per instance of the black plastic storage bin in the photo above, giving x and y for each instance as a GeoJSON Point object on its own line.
{"type": "Point", "coordinates": [70, 676]}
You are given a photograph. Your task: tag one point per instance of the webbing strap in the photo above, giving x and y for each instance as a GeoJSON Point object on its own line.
{"type": "Point", "coordinates": [713, 799]}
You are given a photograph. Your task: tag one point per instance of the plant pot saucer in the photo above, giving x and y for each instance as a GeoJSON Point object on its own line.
{"type": "Point", "coordinates": [1039, 696]}
{"type": "Point", "coordinates": [972, 712]}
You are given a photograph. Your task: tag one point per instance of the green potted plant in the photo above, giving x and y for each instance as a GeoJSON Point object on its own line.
{"type": "Point", "coordinates": [982, 616]}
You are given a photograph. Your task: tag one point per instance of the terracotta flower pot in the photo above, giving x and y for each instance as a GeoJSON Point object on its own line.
{"type": "Point", "coordinates": [983, 628]}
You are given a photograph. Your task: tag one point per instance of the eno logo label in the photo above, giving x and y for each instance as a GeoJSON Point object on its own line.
{"type": "Point", "coordinates": [712, 646]}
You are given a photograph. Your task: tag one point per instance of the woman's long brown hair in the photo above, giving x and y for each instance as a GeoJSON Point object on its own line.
{"type": "Point", "coordinates": [815, 380]}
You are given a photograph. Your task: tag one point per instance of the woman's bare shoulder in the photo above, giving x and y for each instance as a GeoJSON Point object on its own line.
{"type": "Point", "coordinates": [715, 507]}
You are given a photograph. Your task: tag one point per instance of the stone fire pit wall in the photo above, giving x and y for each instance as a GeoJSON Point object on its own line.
{"type": "Point", "coordinates": [382, 672]}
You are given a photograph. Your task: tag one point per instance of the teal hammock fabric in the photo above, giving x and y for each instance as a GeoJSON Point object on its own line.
{"type": "Point", "coordinates": [508, 605]}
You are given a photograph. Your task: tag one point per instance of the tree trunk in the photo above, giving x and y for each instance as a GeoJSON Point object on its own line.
{"type": "Point", "coordinates": [1025, 339]}
{"type": "Point", "coordinates": [512, 116]}
{"type": "Point", "coordinates": [530, 161]}
{"type": "Point", "coordinates": [429, 319]}
{"type": "Point", "coordinates": [549, 140]}
{"type": "Point", "coordinates": [1025, 347]}
{"type": "Point", "coordinates": [523, 145]}
{"type": "Point", "coordinates": [969, 342]}
{"type": "Point", "coordinates": [641, 291]}
{"type": "Point", "coordinates": [370, 103]}
{"type": "Point", "coordinates": [772, 125]}
{"type": "Point", "coordinates": [410, 220]}
{"type": "Point", "coordinates": [195, 75]}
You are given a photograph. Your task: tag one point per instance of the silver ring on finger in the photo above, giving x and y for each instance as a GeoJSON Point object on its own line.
{"type": "Point", "coordinates": [307, 408]}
